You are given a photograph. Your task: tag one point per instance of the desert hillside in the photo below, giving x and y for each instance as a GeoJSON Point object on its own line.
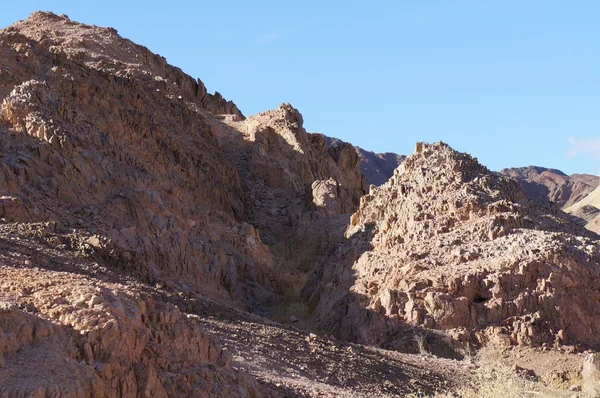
{"type": "Point", "coordinates": [553, 185]}
{"type": "Point", "coordinates": [156, 242]}
{"type": "Point", "coordinates": [587, 210]}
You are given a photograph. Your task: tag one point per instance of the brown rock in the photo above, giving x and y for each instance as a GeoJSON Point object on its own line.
{"type": "Point", "coordinates": [553, 185]}
{"type": "Point", "coordinates": [448, 245]}
{"type": "Point", "coordinates": [377, 168]}
{"type": "Point", "coordinates": [147, 178]}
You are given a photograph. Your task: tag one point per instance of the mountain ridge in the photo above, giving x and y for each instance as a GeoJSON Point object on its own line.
{"type": "Point", "coordinates": [544, 184]}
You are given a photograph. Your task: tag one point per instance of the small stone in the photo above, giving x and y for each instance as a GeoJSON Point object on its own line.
{"type": "Point", "coordinates": [95, 300]}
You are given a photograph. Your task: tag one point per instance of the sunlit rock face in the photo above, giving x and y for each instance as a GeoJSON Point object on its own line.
{"type": "Point", "coordinates": [448, 245]}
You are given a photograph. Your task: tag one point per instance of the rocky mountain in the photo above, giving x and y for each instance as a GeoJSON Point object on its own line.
{"type": "Point", "coordinates": [377, 168]}
{"type": "Point", "coordinates": [155, 242]}
{"type": "Point", "coordinates": [144, 179]}
{"type": "Point", "coordinates": [447, 245]}
{"type": "Point", "coordinates": [553, 185]}
{"type": "Point", "coordinates": [116, 165]}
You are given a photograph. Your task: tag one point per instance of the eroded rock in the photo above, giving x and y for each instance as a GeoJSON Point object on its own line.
{"type": "Point", "coordinates": [448, 245]}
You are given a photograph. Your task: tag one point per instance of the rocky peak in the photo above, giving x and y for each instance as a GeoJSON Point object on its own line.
{"type": "Point", "coordinates": [448, 245]}
{"type": "Point", "coordinates": [287, 158]}
{"type": "Point", "coordinates": [46, 16]}
{"type": "Point", "coordinates": [432, 191]}
{"type": "Point", "coordinates": [104, 50]}
{"type": "Point", "coordinates": [287, 114]}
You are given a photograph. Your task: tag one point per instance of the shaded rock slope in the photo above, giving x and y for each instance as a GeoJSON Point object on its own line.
{"type": "Point", "coordinates": [377, 168]}
{"type": "Point", "coordinates": [72, 328]}
{"type": "Point", "coordinates": [553, 185]}
{"type": "Point", "coordinates": [447, 245]}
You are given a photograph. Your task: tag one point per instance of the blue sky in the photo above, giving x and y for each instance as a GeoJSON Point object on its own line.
{"type": "Point", "coordinates": [514, 83]}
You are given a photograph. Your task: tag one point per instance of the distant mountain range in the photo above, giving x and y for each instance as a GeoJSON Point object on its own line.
{"type": "Point", "coordinates": [550, 184]}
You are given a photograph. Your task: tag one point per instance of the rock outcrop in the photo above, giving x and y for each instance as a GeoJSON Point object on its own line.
{"type": "Point", "coordinates": [69, 327]}
{"type": "Point", "coordinates": [590, 376]}
{"type": "Point", "coordinates": [553, 185]}
{"type": "Point", "coordinates": [448, 245]}
{"type": "Point", "coordinates": [147, 176]}
{"type": "Point", "coordinates": [297, 191]}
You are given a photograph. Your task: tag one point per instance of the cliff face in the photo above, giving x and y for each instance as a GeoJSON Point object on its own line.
{"type": "Point", "coordinates": [298, 192]}
{"type": "Point", "coordinates": [448, 245]}
{"type": "Point", "coordinates": [552, 185]}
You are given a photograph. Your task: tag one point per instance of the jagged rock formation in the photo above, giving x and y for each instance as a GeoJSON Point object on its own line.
{"type": "Point", "coordinates": [553, 185]}
{"type": "Point", "coordinates": [448, 245]}
{"type": "Point", "coordinates": [103, 140]}
{"type": "Point", "coordinates": [71, 328]}
{"type": "Point", "coordinates": [284, 157]}
{"type": "Point", "coordinates": [147, 176]}
{"type": "Point", "coordinates": [377, 168]}
{"type": "Point", "coordinates": [103, 50]}
{"type": "Point", "coordinates": [298, 192]}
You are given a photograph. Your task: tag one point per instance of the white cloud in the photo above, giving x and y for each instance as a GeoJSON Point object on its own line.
{"type": "Point", "coordinates": [584, 146]}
